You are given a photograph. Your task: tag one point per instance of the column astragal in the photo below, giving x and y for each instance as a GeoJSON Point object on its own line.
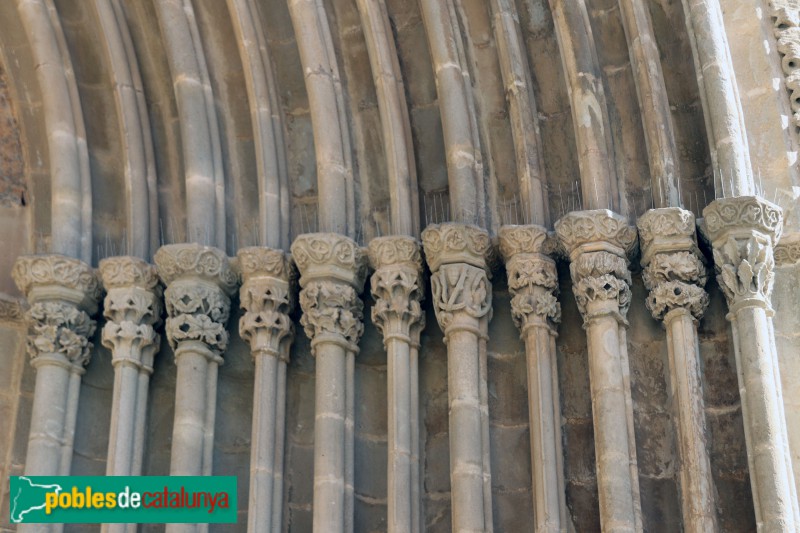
{"type": "Point", "coordinates": [266, 296]}
{"type": "Point", "coordinates": [62, 293]}
{"type": "Point", "coordinates": [599, 243]}
{"type": "Point", "coordinates": [675, 274]}
{"type": "Point", "coordinates": [199, 282]}
{"type": "Point", "coordinates": [458, 255]}
{"type": "Point", "coordinates": [396, 288]}
{"type": "Point", "coordinates": [332, 271]}
{"type": "Point", "coordinates": [743, 231]}
{"type": "Point", "coordinates": [533, 282]}
{"type": "Point", "coordinates": [132, 309]}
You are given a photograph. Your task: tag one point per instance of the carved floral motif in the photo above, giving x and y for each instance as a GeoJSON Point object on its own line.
{"type": "Point", "coordinates": [786, 20]}
{"type": "Point", "coordinates": [787, 253]}
{"type": "Point", "coordinates": [42, 270]}
{"type": "Point", "coordinates": [197, 312]}
{"type": "Point", "coordinates": [331, 308]}
{"type": "Point", "coordinates": [330, 255]}
{"type": "Point", "coordinates": [175, 261]}
{"type": "Point", "coordinates": [581, 228]}
{"type": "Point", "coordinates": [395, 250]}
{"type": "Point", "coordinates": [128, 272]}
{"type": "Point", "coordinates": [456, 243]}
{"type": "Point", "coordinates": [745, 268]}
{"type": "Point", "coordinates": [600, 276]}
{"type": "Point", "coordinates": [59, 328]}
{"type": "Point", "coordinates": [12, 310]}
{"type": "Point", "coordinates": [260, 261]}
{"type": "Point", "coordinates": [395, 284]}
{"type": "Point", "coordinates": [266, 323]}
{"type": "Point", "coordinates": [742, 213]}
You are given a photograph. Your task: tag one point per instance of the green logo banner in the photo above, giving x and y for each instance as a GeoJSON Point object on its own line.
{"type": "Point", "coordinates": [123, 499]}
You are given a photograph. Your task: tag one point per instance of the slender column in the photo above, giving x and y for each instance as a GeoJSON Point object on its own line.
{"type": "Point", "coordinates": [743, 231]}
{"type": "Point", "coordinates": [675, 274]}
{"type": "Point", "coordinates": [533, 281]}
{"type": "Point", "coordinates": [457, 255]}
{"type": "Point", "coordinates": [266, 296]}
{"type": "Point", "coordinates": [599, 243]}
{"type": "Point", "coordinates": [332, 271]}
{"type": "Point", "coordinates": [199, 283]}
{"type": "Point", "coordinates": [395, 286]}
{"type": "Point", "coordinates": [719, 93]}
{"type": "Point", "coordinates": [132, 308]}
{"type": "Point", "coordinates": [62, 293]}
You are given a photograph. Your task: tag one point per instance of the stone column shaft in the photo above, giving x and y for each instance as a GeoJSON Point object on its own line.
{"type": "Point", "coordinates": [533, 281]}
{"type": "Point", "coordinates": [458, 255]}
{"type": "Point", "coordinates": [743, 231]}
{"type": "Point", "coordinates": [62, 293]}
{"type": "Point", "coordinates": [265, 294]}
{"type": "Point", "coordinates": [132, 308]}
{"type": "Point", "coordinates": [675, 273]}
{"type": "Point", "coordinates": [332, 269]}
{"type": "Point", "coordinates": [199, 282]}
{"type": "Point", "coordinates": [398, 314]}
{"type": "Point", "coordinates": [599, 243]}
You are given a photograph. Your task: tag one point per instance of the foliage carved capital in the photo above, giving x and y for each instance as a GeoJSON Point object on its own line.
{"type": "Point", "coordinates": [596, 230]}
{"type": "Point", "coordinates": [180, 261]}
{"type": "Point", "coordinates": [57, 277]}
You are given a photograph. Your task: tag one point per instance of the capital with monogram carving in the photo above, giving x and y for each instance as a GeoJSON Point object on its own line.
{"type": "Point", "coordinates": [199, 282]}
{"type": "Point", "coordinates": [459, 256]}
{"type": "Point", "coordinates": [332, 273]}
{"type": "Point", "coordinates": [599, 244]}
{"type": "Point", "coordinates": [743, 232]}
{"type": "Point", "coordinates": [532, 276]}
{"type": "Point", "coordinates": [674, 270]}
{"type": "Point", "coordinates": [266, 294]}
{"type": "Point", "coordinates": [63, 293]}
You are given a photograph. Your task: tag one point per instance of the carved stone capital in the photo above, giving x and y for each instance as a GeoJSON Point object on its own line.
{"type": "Point", "coordinates": [787, 251]}
{"type": "Point", "coordinates": [786, 20]}
{"type": "Point", "coordinates": [199, 282]}
{"type": "Point", "coordinates": [596, 230]}
{"type": "Point", "coordinates": [58, 328]}
{"type": "Point", "coordinates": [532, 276]}
{"type": "Point", "coordinates": [329, 256]}
{"type": "Point", "coordinates": [132, 308]}
{"type": "Point", "coordinates": [396, 285]}
{"type": "Point", "coordinates": [266, 296]}
{"type": "Point", "coordinates": [743, 231]}
{"type": "Point", "coordinates": [12, 310]}
{"type": "Point", "coordinates": [57, 277]}
{"type": "Point", "coordinates": [181, 261]}
{"type": "Point", "coordinates": [456, 243]}
{"type": "Point", "coordinates": [332, 312]}
{"type": "Point", "coordinates": [599, 244]}
{"type": "Point", "coordinates": [674, 271]}
{"type": "Point", "coordinates": [462, 295]}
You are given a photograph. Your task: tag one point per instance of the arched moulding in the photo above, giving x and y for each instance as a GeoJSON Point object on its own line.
{"type": "Point", "coordinates": [200, 137]}
{"type": "Point", "coordinates": [267, 122]}
{"type": "Point", "coordinates": [465, 169]}
{"type": "Point", "coordinates": [336, 192]}
{"type": "Point", "coordinates": [395, 123]}
{"type": "Point", "coordinates": [70, 187]}
{"type": "Point", "coordinates": [134, 128]}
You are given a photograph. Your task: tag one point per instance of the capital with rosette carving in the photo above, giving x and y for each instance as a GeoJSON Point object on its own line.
{"type": "Point", "coordinates": [332, 273]}
{"type": "Point", "coordinates": [199, 282]}
{"type": "Point", "coordinates": [63, 293]}
{"type": "Point", "coordinates": [532, 276]}
{"type": "Point", "coordinates": [599, 244]}
{"type": "Point", "coordinates": [396, 286]}
{"type": "Point", "coordinates": [268, 278]}
{"type": "Point", "coordinates": [458, 256]}
{"type": "Point", "coordinates": [743, 231]}
{"type": "Point", "coordinates": [132, 310]}
{"type": "Point", "coordinates": [674, 270]}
